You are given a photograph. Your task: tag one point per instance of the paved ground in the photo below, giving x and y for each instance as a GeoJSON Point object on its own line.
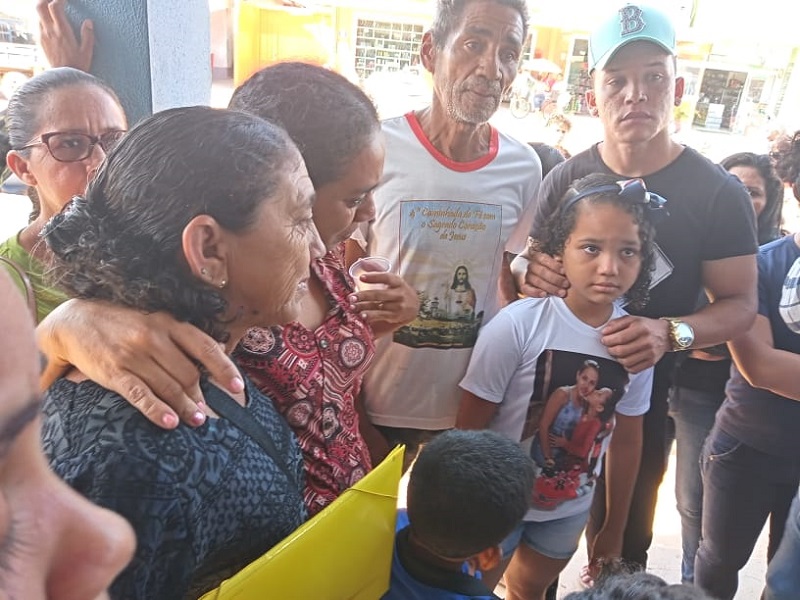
{"type": "Point", "coordinates": [665, 553]}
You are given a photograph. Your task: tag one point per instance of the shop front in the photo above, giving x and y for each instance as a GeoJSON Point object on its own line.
{"type": "Point", "coordinates": [578, 80]}
{"type": "Point", "coordinates": [735, 89]}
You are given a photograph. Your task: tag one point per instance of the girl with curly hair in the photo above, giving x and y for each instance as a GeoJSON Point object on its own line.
{"type": "Point", "coordinates": [603, 236]}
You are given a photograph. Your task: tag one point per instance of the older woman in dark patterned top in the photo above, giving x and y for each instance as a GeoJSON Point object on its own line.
{"type": "Point", "coordinates": [206, 215]}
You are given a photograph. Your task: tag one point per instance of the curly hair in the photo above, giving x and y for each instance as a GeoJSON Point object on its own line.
{"type": "Point", "coordinates": [328, 118]}
{"type": "Point", "coordinates": [788, 164]}
{"type": "Point", "coordinates": [769, 221]}
{"type": "Point", "coordinates": [560, 224]}
{"type": "Point", "coordinates": [27, 106]}
{"type": "Point", "coordinates": [449, 12]}
{"type": "Point", "coordinates": [122, 242]}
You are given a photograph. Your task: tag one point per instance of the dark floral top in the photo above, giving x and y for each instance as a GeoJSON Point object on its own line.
{"type": "Point", "coordinates": [204, 502]}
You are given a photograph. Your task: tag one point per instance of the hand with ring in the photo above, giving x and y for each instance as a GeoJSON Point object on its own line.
{"type": "Point", "coordinates": [389, 308]}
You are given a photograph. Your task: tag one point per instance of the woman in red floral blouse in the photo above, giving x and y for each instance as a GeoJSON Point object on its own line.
{"type": "Point", "coordinates": [313, 368]}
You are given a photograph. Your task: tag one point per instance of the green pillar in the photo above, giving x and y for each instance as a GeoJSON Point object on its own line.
{"type": "Point", "coordinates": [154, 53]}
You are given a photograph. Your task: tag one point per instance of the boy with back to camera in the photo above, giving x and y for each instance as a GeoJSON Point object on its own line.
{"type": "Point", "coordinates": [466, 492]}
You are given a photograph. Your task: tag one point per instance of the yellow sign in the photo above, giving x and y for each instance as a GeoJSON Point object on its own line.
{"type": "Point", "coordinates": [345, 551]}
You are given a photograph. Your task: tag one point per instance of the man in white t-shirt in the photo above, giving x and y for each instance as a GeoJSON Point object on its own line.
{"type": "Point", "coordinates": [456, 195]}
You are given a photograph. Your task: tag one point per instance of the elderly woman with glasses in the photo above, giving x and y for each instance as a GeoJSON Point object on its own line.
{"type": "Point", "coordinates": [60, 126]}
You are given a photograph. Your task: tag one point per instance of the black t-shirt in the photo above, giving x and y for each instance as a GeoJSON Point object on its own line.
{"type": "Point", "coordinates": [710, 217]}
{"type": "Point", "coordinates": [709, 376]}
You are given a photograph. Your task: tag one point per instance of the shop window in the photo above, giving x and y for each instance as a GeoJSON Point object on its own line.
{"type": "Point", "coordinates": [720, 92]}
{"type": "Point", "coordinates": [386, 46]}
{"type": "Point", "coordinates": [578, 80]}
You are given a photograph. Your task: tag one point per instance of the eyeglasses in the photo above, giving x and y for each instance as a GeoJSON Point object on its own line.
{"type": "Point", "coordinates": [74, 147]}
{"type": "Point", "coordinates": [632, 190]}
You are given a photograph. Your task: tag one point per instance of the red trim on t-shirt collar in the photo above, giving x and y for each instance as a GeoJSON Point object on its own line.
{"type": "Point", "coordinates": [462, 167]}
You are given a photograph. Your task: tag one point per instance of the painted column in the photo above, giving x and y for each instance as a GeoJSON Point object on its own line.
{"type": "Point", "coordinates": [154, 53]}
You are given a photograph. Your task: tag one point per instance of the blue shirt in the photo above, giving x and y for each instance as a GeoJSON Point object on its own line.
{"type": "Point", "coordinates": [759, 418]}
{"type": "Point", "coordinates": [413, 579]}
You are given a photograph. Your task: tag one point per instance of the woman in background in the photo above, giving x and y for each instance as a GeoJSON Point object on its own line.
{"type": "Point", "coordinates": [60, 125]}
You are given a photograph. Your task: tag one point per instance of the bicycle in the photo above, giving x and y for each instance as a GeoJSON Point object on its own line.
{"type": "Point", "coordinates": [519, 105]}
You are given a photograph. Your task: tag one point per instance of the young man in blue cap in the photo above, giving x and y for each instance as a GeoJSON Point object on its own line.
{"type": "Point", "coordinates": [708, 241]}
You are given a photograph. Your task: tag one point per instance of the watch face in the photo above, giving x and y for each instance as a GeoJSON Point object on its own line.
{"type": "Point", "coordinates": [684, 336]}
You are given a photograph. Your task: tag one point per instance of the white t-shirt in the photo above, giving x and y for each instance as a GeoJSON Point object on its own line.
{"type": "Point", "coordinates": [444, 225]}
{"type": "Point", "coordinates": [530, 350]}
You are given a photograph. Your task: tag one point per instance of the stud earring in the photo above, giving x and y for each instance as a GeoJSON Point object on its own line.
{"type": "Point", "coordinates": [223, 283]}
{"type": "Point", "coordinates": [204, 272]}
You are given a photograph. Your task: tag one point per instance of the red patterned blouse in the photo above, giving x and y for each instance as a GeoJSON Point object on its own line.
{"type": "Point", "coordinates": [314, 378]}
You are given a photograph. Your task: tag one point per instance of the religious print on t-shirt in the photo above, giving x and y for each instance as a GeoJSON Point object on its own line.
{"type": "Point", "coordinates": [569, 423]}
{"type": "Point", "coordinates": [443, 257]}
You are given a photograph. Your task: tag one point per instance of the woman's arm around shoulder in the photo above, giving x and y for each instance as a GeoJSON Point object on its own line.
{"type": "Point", "coordinates": [148, 359]}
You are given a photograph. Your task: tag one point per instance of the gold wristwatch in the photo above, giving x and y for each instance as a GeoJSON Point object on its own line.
{"type": "Point", "coordinates": [681, 334]}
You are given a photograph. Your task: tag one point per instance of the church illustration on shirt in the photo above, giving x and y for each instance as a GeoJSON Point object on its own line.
{"type": "Point", "coordinates": [447, 251]}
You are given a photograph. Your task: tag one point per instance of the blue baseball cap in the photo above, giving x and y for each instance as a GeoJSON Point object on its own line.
{"type": "Point", "coordinates": [631, 23]}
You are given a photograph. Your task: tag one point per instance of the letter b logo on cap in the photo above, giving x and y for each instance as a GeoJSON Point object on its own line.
{"type": "Point", "coordinates": [629, 24]}
{"type": "Point", "coordinates": [630, 18]}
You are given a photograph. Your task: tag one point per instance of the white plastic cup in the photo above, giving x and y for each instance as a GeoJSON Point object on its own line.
{"type": "Point", "coordinates": [369, 264]}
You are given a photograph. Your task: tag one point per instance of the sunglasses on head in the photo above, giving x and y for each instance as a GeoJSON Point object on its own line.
{"type": "Point", "coordinates": [74, 147]}
{"type": "Point", "coordinates": [633, 191]}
